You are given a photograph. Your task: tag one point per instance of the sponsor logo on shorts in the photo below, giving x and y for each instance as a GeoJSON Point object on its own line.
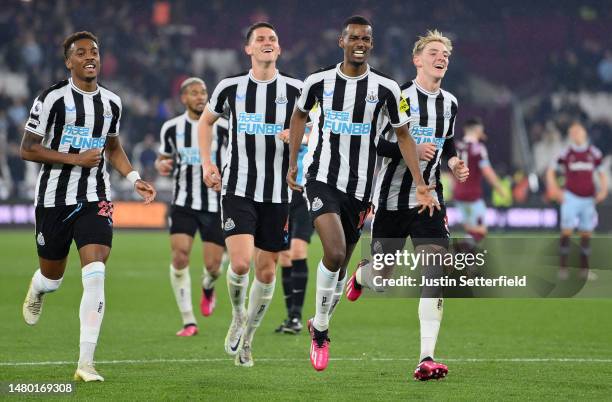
{"type": "Point", "coordinates": [229, 224]}
{"type": "Point", "coordinates": [316, 204]}
{"type": "Point", "coordinates": [40, 239]}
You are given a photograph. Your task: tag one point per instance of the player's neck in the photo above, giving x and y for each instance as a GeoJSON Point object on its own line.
{"type": "Point", "coordinates": [264, 71]}
{"type": "Point", "coordinates": [85, 85]}
{"type": "Point", "coordinates": [428, 84]}
{"type": "Point", "coordinates": [193, 115]}
{"type": "Point", "coordinates": [353, 70]}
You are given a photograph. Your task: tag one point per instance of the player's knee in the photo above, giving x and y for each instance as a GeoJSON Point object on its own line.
{"type": "Point", "coordinates": [180, 259]}
{"type": "Point", "coordinates": [266, 274]}
{"type": "Point", "coordinates": [335, 258]}
{"type": "Point", "coordinates": [240, 265]}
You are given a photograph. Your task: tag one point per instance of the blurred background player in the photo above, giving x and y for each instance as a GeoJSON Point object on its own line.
{"type": "Point", "coordinates": [353, 99]}
{"type": "Point", "coordinates": [578, 162]}
{"type": "Point", "coordinates": [431, 112]}
{"type": "Point", "coordinates": [194, 207]}
{"type": "Point", "coordinates": [73, 130]}
{"type": "Point", "coordinates": [255, 203]}
{"type": "Point", "coordinates": [294, 262]}
{"type": "Point", "coordinates": [468, 194]}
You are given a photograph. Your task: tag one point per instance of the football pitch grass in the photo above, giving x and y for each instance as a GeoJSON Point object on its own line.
{"type": "Point", "coordinates": [519, 349]}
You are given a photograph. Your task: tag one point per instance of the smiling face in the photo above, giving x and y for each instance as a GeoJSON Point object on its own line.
{"type": "Point", "coordinates": [432, 61]}
{"type": "Point", "coordinates": [194, 97]}
{"type": "Point", "coordinates": [263, 46]}
{"type": "Point", "coordinates": [84, 60]}
{"type": "Point", "coordinates": [357, 42]}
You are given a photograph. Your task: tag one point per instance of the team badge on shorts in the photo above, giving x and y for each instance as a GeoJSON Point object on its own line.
{"type": "Point", "coordinates": [316, 204]}
{"type": "Point", "coordinates": [40, 239]}
{"type": "Point", "coordinates": [229, 224]}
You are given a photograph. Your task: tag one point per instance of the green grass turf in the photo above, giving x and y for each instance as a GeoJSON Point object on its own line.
{"type": "Point", "coordinates": [376, 340]}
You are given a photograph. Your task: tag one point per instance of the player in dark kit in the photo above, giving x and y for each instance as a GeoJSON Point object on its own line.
{"type": "Point", "coordinates": [431, 112]}
{"type": "Point", "coordinates": [73, 130]}
{"type": "Point", "coordinates": [578, 162]}
{"type": "Point", "coordinates": [354, 100]}
{"type": "Point", "coordinates": [194, 207]}
{"type": "Point", "coordinates": [255, 202]}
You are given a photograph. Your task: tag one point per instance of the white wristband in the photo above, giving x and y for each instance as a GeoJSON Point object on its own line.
{"type": "Point", "coordinates": [133, 176]}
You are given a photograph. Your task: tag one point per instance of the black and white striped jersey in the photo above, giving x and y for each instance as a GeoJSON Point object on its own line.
{"type": "Point", "coordinates": [257, 160]}
{"type": "Point", "coordinates": [179, 139]}
{"type": "Point", "coordinates": [431, 119]}
{"type": "Point", "coordinates": [73, 121]}
{"type": "Point", "coordinates": [342, 151]}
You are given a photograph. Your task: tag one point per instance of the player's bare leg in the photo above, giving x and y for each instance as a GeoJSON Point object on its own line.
{"type": "Point", "coordinates": [93, 262]}
{"type": "Point", "coordinates": [329, 228]}
{"type": "Point", "coordinates": [213, 255]}
{"type": "Point", "coordinates": [260, 297]}
{"type": "Point", "coordinates": [46, 279]}
{"type": "Point", "coordinates": [180, 280]}
{"type": "Point", "coordinates": [430, 316]}
{"type": "Point", "coordinates": [240, 248]}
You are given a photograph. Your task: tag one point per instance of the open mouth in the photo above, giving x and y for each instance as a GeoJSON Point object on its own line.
{"type": "Point", "coordinates": [439, 66]}
{"type": "Point", "coordinates": [267, 50]}
{"type": "Point", "coordinates": [358, 53]}
{"type": "Point", "coordinates": [90, 67]}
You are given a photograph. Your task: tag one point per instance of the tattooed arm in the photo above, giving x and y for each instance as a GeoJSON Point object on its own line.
{"type": "Point", "coordinates": [33, 150]}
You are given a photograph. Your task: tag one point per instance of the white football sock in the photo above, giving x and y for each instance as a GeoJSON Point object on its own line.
{"type": "Point", "coordinates": [42, 284]}
{"type": "Point", "coordinates": [430, 316]}
{"type": "Point", "coordinates": [92, 309]}
{"type": "Point", "coordinates": [237, 286]}
{"type": "Point", "coordinates": [208, 280]}
{"type": "Point", "coordinates": [260, 297]}
{"type": "Point", "coordinates": [338, 291]}
{"type": "Point", "coordinates": [326, 284]}
{"type": "Point", "coordinates": [181, 286]}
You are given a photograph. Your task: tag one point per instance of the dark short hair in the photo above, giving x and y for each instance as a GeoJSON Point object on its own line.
{"type": "Point", "coordinates": [357, 20]}
{"type": "Point", "coordinates": [78, 36]}
{"type": "Point", "coordinates": [254, 27]}
{"type": "Point", "coordinates": [472, 122]}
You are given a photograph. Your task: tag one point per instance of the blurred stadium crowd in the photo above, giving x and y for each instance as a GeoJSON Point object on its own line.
{"type": "Point", "coordinates": [551, 61]}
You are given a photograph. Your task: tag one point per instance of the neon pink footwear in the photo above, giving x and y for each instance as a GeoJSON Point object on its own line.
{"type": "Point", "coordinates": [189, 330]}
{"type": "Point", "coordinates": [430, 370]}
{"type": "Point", "coordinates": [208, 302]}
{"type": "Point", "coordinates": [319, 348]}
{"type": "Point", "coordinates": [353, 289]}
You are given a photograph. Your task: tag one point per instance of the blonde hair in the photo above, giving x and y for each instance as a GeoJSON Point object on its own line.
{"type": "Point", "coordinates": [431, 36]}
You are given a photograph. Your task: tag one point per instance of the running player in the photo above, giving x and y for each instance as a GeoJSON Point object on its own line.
{"type": "Point", "coordinates": [431, 112]}
{"type": "Point", "coordinates": [255, 202]}
{"type": "Point", "coordinates": [73, 130]}
{"type": "Point", "coordinates": [294, 262]}
{"type": "Point", "coordinates": [353, 100]}
{"type": "Point", "coordinates": [194, 207]}
{"type": "Point", "coordinates": [468, 195]}
{"type": "Point", "coordinates": [579, 161]}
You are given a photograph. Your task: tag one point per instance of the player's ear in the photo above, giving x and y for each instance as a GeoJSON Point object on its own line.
{"type": "Point", "coordinates": [68, 63]}
{"type": "Point", "coordinates": [341, 41]}
{"type": "Point", "coordinates": [416, 60]}
{"type": "Point", "coordinates": [247, 49]}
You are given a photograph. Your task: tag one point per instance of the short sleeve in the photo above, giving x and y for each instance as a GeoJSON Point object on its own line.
{"type": "Point", "coordinates": [39, 117]}
{"type": "Point", "coordinates": [116, 109]}
{"type": "Point", "coordinates": [308, 97]}
{"type": "Point", "coordinates": [218, 99]}
{"type": "Point", "coordinates": [395, 102]}
{"type": "Point", "coordinates": [166, 147]}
